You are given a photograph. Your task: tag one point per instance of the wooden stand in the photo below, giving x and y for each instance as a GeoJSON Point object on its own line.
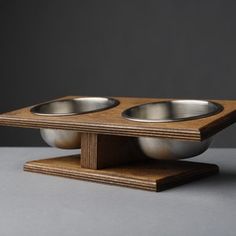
{"type": "Point", "coordinates": [108, 152]}
{"type": "Point", "coordinates": [116, 160]}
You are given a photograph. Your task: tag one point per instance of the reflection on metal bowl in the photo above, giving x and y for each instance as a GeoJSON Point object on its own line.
{"type": "Point", "coordinates": [172, 149]}
{"type": "Point", "coordinates": [172, 111]}
{"type": "Point", "coordinates": [68, 139]}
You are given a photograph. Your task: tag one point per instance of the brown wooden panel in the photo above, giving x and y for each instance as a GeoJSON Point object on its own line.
{"type": "Point", "coordinates": [148, 175]}
{"type": "Point", "coordinates": [111, 122]}
{"type": "Point", "coordinates": [102, 151]}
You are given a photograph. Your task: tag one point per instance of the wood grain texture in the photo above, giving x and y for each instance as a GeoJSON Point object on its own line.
{"type": "Point", "coordinates": [150, 174]}
{"type": "Point", "coordinates": [111, 122]}
{"type": "Point", "coordinates": [102, 151]}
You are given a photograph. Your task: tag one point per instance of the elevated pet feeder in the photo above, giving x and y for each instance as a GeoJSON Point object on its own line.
{"type": "Point", "coordinates": [132, 142]}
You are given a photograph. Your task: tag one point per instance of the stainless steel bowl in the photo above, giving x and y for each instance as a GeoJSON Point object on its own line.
{"type": "Point", "coordinates": [172, 111]}
{"type": "Point", "coordinates": [68, 139]}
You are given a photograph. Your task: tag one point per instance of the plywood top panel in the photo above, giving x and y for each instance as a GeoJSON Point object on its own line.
{"type": "Point", "coordinates": [111, 122]}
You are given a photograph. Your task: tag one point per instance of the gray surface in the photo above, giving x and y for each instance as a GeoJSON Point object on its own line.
{"type": "Point", "coordinates": [36, 204]}
{"type": "Point", "coordinates": [149, 48]}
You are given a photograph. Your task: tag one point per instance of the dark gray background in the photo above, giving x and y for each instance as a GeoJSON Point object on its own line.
{"type": "Point", "coordinates": [179, 49]}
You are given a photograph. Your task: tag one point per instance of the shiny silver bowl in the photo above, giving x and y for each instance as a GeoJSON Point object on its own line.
{"type": "Point", "coordinates": [172, 111]}
{"type": "Point", "coordinates": [68, 139]}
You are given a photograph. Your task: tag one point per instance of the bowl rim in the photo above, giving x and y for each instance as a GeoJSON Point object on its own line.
{"type": "Point", "coordinates": [219, 108]}
{"type": "Point", "coordinates": [34, 109]}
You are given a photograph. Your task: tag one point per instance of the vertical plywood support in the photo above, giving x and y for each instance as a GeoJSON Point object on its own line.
{"type": "Point", "coordinates": [101, 151]}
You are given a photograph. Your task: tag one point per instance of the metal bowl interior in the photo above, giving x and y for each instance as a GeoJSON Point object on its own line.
{"type": "Point", "coordinates": [173, 110]}
{"type": "Point", "coordinates": [75, 106]}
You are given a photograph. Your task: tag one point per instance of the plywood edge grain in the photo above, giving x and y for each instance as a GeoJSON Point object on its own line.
{"type": "Point", "coordinates": [217, 125]}
{"type": "Point", "coordinates": [193, 175]}
{"type": "Point", "coordinates": [184, 134]}
{"type": "Point", "coordinates": [111, 122]}
{"type": "Point", "coordinates": [147, 175]}
{"type": "Point", "coordinates": [85, 174]}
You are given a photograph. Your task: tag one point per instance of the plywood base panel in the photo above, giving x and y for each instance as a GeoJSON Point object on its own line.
{"type": "Point", "coordinates": [148, 175]}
